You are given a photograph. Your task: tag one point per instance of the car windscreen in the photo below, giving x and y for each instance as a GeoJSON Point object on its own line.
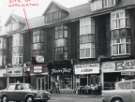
{"type": "Point", "coordinates": [11, 87]}
{"type": "Point", "coordinates": [124, 85]}
{"type": "Point", "coordinates": [27, 86]}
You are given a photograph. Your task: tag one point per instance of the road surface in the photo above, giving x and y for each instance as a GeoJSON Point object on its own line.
{"type": "Point", "coordinates": [75, 98]}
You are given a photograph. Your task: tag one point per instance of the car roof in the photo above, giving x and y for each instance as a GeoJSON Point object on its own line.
{"type": "Point", "coordinates": [18, 83]}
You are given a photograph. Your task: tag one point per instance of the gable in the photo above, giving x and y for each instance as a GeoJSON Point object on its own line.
{"type": "Point", "coordinates": [53, 7]}
{"type": "Point", "coordinates": [14, 19]}
{"type": "Point", "coordinates": [10, 20]}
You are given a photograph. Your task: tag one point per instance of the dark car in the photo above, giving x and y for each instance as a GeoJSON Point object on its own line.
{"type": "Point", "coordinates": [23, 92]}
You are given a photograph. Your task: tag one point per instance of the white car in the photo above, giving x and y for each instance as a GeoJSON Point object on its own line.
{"type": "Point", "coordinates": [124, 92]}
{"type": "Point", "coordinates": [23, 92]}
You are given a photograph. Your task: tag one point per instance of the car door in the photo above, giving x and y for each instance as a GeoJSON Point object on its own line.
{"type": "Point", "coordinates": [133, 92]}
{"type": "Point", "coordinates": [20, 92]}
{"type": "Point", "coordinates": [10, 92]}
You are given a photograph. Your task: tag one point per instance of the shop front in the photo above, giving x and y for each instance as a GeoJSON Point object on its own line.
{"type": "Point", "coordinates": [15, 75]}
{"type": "Point", "coordinates": [39, 77]}
{"type": "Point", "coordinates": [61, 78]}
{"type": "Point", "coordinates": [3, 78]}
{"type": "Point", "coordinates": [87, 78]}
{"type": "Point", "coordinates": [116, 71]}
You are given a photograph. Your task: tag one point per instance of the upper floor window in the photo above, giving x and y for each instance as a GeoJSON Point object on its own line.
{"type": "Point", "coordinates": [109, 3]}
{"type": "Point", "coordinates": [121, 42]}
{"type": "Point", "coordinates": [96, 5]}
{"type": "Point", "coordinates": [16, 60]}
{"type": "Point", "coordinates": [61, 32]}
{"type": "Point", "coordinates": [38, 36]}
{"type": "Point", "coordinates": [2, 43]}
{"type": "Point", "coordinates": [119, 19]}
{"type": "Point", "coordinates": [2, 60]}
{"type": "Point", "coordinates": [37, 46]}
{"type": "Point", "coordinates": [17, 50]}
{"type": "Point", "coordinates": [13, 26]}
{"type": "Point", "coordinates": [53, 16]}
{"type": "Point", "coordinates": [87, 38]}
{"type": "Point", "coordinates": [61, 35]}
{"type": "Point", "coordinates": [61, 53]}
{"type": "Point", "coordinates": [100, 4]}
{"type": "Point", "coordinates": [17, 40]}
{"type": "Point", "coordinates": [87, 51]}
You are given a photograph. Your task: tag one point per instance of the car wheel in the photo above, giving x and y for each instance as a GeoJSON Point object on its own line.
{"type": "Point", "coordinates": [29, 99]}
{"type": "Point", "coordinates": [117, 100]}
{"type": "Point", "coordinates": [4, 99]}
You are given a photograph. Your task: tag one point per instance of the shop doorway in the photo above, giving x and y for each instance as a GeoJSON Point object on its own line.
{"type": "Point", "coordinates": [83, 81]}
{"type": "Point", "coordinates": [40, 83]}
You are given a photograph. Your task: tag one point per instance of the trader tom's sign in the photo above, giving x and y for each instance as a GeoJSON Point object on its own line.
{"type": "Point", "coordinates": [92, 68]}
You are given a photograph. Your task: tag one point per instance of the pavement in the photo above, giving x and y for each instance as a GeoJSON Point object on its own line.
{"type": "Point", "coordinates": [75, 98]}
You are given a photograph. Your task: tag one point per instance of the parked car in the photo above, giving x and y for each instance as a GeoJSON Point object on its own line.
{"type": "Point", "coordinates": [23, 92]}
{"type": "Point", "coordinates": [124, 92]}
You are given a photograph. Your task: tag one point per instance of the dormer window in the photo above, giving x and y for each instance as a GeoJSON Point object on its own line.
{"type": "Point", "coordinates": [96, 5]}
{"type": "Point", "coordinates": [55, 13]}
{"type": "Point", "coordinates": [100, 4]}
{"type": "Point", "coordinates": [109, 3]}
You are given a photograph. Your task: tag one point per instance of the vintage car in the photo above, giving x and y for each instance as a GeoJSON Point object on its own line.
{"type": "Point", "coordinates": [23, 92]}
{"type": "Point", "coordinates": [124, 92]}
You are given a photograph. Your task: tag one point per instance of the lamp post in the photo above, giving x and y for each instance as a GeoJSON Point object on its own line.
{"type": "Point", "coordinates": [7, 75]}
{"type": "Point", "coordinates": [100, 58]}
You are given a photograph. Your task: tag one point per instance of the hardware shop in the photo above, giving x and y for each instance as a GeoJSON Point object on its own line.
{"type": "Point", "coordinates": [114, 71]}
{"type": "Point", "coordinates": [87, 77]}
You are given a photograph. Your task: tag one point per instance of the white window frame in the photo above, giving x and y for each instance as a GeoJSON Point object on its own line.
{"type": "Point", "coordinates": [118, 44]}
{"type": "Point", "coordinates": [87, 27]}
{"type": "Point", "coordinates": [109, 3]}
{"type": "Point", "coordinates": [16, 59]}
{"type": "Point", "coordinates": [96, 5]}
{"type": "Point", "coordinates": [85, 54]}
{"type": "Point", "coordinates": [119, 21]}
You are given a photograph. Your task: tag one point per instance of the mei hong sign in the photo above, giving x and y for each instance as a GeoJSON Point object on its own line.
{"type": "Point", "coordinates": [125, 65]}
{"type": "Point", "coordinates": [87, 68]}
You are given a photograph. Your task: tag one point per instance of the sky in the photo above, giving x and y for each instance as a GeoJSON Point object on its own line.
{"type": "Point", "coordinates": [32, 11]}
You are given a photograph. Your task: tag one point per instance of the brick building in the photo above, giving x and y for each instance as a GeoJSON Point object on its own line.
{"type": "Point", "coordinates": [74, 47]}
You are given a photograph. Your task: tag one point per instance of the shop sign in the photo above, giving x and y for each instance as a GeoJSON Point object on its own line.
{"type": "Point", "coordinates": [37, 69]}
{"type": "Point", "coordinates": [15, 72]}
{"type": "Point", "coordinates": [87, 68]}
{"type": "Point", "coordinates": [40, 59]}
{"type": "Point", "coordinates": [127, 73]}
{"type": "Point", "coordinates": [2, 72]}
{"type": "Point", "coordinates": [61, 70]}
{"type": "Point", "coordinates": [126, 65]}
{"type": "Point", "coordinates": [108, 67]}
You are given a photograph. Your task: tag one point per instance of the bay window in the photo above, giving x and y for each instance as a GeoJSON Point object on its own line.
{"type": "Point", "coordinates": [61, 35]}
{"type": "Point", "coordinates": [38, 36]}
{"type": "Point", "coordinates": [120, 33]}
{"type": "Point", "coordinates": [87, 38]}
{"type": "Point", "coordinates": [121, 42]}
{"type": "Point", "coordinates": [17, 49]}
{"type": "Point", "coordinates": [39, 43]}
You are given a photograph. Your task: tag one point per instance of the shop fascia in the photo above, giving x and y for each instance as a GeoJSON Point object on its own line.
{"type": "Point", "coordinates": [89, 68]}
{"type": "Point", "coordinates": [15, 72]}
{"type": "Point", "coordinates": [123, 66]}
{"type": "Point", "coordinates": [61, 70]}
